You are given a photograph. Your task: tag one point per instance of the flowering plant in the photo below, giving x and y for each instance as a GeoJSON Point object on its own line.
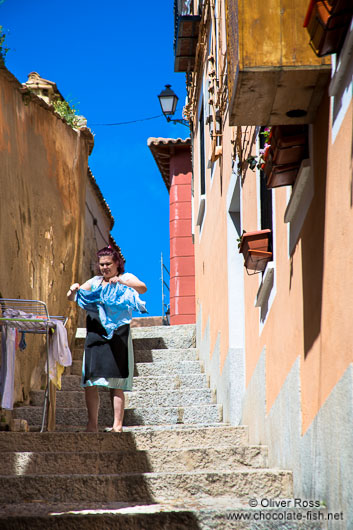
{"type": "Point", "coordinates": [258, 162]}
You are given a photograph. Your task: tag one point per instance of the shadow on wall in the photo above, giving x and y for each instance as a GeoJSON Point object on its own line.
{"type": "Point", "coordinates": [312, 236]}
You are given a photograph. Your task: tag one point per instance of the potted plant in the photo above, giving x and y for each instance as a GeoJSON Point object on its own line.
{"type": "Point", "coordinates": [288, 147]}
{"type": "Point", "coordinates": [327, 22]}
{"type": "Point", "coordinates": [258, 162]}
{"type": "Point", "coordinates": [255, 247]}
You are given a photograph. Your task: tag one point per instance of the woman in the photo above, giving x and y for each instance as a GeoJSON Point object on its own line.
{"type": "Point", "coordinates": [108, 357]}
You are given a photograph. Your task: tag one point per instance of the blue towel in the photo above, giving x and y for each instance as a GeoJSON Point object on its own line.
{"type": "Point", "coordinates": [114, 303]}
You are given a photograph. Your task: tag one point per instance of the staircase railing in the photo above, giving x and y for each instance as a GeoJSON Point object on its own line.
{"type": "Point", "coordinates": [165, 306]}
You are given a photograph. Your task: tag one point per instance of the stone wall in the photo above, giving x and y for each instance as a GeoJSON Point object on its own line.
{"type": "Point", "coordinates": [43, 175]}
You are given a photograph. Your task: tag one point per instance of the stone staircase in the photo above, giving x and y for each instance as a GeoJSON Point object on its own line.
{"type": "Point", "coordinates": [175, 466]}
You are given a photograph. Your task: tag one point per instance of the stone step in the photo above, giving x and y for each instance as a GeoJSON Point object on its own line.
{"type": "Point", "coordinates": [102, 428]}
{"type": "Point", "coordinates": [154, 460]}
{"type": "Point", "coordinates": [133, 416]}
{"type": "Point", "coordinates": [170, 354]}
{"type": "Point", "coordinates": [146, 356]}
{"type": "Point", "coordinates": [203, 513]}
{"type": "Point", "coordinates": [147, 487]}
{"type": "Point", "coordinates": [161, 337]}
{"type": "Point", "coordinates": [173, 382]}
{"type": "Point", "coordinates": [96, 516]}
{"type": "Point", "coordinates": [171, 398]}
{"type": "Point", "coordinates": [151, 369]}
{"type": "Point", "coordinates": [167, 368]}
{"type": "Point", "coordinates": [133, 438]}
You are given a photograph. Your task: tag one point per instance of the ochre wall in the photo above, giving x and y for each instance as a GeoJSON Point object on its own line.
{"type": "Point", "coordinates": [97, 230]}
{"type": "Point", "coordinates": [182, 270]}
{"type": "Point", "coordinates": [43, 172]}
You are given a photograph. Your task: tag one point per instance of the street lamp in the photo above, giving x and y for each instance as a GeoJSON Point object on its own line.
{"type": "Point", "coordinates": [168, 100]}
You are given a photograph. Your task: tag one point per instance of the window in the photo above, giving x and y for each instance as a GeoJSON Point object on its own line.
{"type": "Point", "coordinates": [202, 151]}
{"type": "Point", "coordinates": [265, 198]}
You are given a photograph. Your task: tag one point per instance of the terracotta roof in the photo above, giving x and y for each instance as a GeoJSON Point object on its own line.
{"type": "Point", "coordinates": [168, 141]}
{"type": "Point", "coordinates": [100, 197]}
{"type": "Point", "coordinates": [162, 149]}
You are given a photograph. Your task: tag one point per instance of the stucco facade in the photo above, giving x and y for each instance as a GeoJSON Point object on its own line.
{"type": "Point", "coordinates": [45, 188]}
{"type": "Point", "coordinates": [98, 224]}
{"type": "Point", "coordinates": [276, 345]}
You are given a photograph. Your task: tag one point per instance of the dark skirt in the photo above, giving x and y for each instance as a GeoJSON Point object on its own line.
{"type": "Point", "coordinates": [105, 358]}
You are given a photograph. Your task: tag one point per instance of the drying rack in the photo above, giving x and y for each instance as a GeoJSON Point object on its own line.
{"type": "Point", "coordinates": [31, 316]}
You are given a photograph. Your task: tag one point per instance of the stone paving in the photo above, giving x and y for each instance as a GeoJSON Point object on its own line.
{"type": "Point", "coordinates": [175, 466]}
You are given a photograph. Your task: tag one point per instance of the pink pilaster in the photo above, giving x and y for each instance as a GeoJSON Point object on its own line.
{"type": "Point", "coordinates": [182, 268]}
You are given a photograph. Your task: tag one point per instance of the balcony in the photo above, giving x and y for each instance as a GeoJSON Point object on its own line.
{"type": "Point", "coordinates": [186, 35]}
{"type": "Point", "coordinates": [274, 78]}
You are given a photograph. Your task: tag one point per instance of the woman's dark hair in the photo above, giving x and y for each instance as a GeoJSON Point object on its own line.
{"type": "Point", "coordinates": [110, 251]}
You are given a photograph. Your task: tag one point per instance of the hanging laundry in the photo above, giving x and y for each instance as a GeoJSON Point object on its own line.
{"type": "Point", "coordinates": [7, 369]}
{"type": "Point", "coordinates": [23, 345]}
{"type": "Point", "coordinates": [59, 353]}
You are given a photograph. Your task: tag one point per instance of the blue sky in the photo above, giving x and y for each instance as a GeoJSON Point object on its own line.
{"type": "Point", "coordinates": [110, 59]}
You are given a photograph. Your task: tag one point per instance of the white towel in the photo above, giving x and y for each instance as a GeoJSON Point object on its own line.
{"type": "Point", "coordinates": [59, 353]}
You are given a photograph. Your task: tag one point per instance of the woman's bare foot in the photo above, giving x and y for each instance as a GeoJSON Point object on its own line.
{"type": "Point", "coordinates": [113, 429]}
{"type": "Point", "coordinates": [117, 429]}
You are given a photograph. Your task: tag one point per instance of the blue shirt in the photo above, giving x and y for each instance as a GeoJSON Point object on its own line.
{"type": "Point", "coordinates": [114, 303]}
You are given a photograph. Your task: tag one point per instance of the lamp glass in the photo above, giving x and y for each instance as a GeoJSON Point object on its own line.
{"type": "Point", "coordinates": [168, 101]}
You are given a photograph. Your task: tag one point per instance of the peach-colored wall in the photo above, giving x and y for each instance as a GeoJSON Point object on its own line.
{"type": "Point", "coordinates": [332, 349]}
{"type": "Point", "coordinates": [310, 314]}
{"type": "Point", "coordinates": [211, 247]}
{"type": "Point", "coordinates": [182, 270]}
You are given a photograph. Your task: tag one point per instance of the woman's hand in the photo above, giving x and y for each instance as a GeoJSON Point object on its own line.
{"type": "Point", "coordinates": [132, 281]}
{"type": "Point", "coordinates": [114, 279]}
{"type": "Point", "coordinates": [72, 291]}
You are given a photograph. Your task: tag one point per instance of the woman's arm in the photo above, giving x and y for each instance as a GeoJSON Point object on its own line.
{"type": "Point", "coordinates": [75, 287]}
{"type": "Point", "coordinates": [134, 282]}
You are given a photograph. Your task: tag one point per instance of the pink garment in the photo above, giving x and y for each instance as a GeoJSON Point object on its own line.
{"type": "Point", "coordinates": [7, 370]}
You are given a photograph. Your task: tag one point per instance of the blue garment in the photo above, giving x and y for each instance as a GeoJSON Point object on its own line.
{"type": "Point", "coordinates": [114, 304]}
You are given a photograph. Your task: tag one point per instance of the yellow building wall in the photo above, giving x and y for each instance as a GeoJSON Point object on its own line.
{"type": "Point", "coordinates": [43, 174]}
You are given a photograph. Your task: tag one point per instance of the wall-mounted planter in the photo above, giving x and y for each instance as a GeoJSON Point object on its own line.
{"type": "Point", "coordinates": [186, 34]}
{"type": "Point", "coordinates": [255, 247]}
{"type": "Point", "coordinates": [289, 145]}
{"type": "Point", "coordinates": [282, 175]}
{"type": "Point", "coordinates": [327, 22]}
